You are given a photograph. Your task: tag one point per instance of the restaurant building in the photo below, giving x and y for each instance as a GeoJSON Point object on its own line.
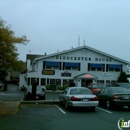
{"type": "Point", "coordinates": [81, 66]}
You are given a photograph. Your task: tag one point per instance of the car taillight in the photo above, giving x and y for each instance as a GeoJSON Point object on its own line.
{"type": "Point", "coordinates": [116, 96]}
{"type": "Point", "coordinates": [94, 99]}
{"type": "Point", "coordinates": [73, 98]}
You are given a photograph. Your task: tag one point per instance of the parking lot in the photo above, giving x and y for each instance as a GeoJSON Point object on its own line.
{"type": "Point", "coordinates": [55, 117]}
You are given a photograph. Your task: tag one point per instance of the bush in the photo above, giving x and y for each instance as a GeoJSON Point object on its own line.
{"type": "Point", "coordinates": [65, 86]}
{"type": "Point", "coordinates": [48, 87]}
{"type": "Point", "coordinates": [59, 87]}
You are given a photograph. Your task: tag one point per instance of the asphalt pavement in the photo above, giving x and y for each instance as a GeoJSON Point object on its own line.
{"type": "Point", "coordinates": [11, 99]}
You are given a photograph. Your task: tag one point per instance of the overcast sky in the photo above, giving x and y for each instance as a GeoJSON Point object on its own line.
{"type": "Point", "coordinates": [53, 25]}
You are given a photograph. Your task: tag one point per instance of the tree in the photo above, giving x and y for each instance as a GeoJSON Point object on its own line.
{"type": "Point", "coordinates": [8, 50]}
{"type": "Point", "coordinates": [122, 78]}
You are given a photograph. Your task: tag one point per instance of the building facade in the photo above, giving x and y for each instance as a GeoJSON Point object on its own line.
{"type": "Point", "coordinates": [81, 65]}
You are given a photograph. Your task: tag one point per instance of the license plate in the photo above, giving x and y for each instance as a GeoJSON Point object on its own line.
{"type": "Point", "coordinates": [85, 100]}
{"type": "Point", "coordinates": [126, 97]}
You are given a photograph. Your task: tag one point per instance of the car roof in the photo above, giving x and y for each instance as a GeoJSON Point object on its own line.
{"type": "Point", "coordinates": [94, 83]}
{"type": "Point", "coordinates": [78, 87]}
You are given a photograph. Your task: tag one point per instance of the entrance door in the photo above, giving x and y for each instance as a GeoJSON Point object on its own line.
{"type": "Point", "coordinates": [85, 82]}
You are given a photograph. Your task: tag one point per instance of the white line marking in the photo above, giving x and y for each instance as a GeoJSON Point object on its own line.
{"type": "Point", "coordinates": [60, 109]}
{"type": "Point", "coordinates": [104, 110]}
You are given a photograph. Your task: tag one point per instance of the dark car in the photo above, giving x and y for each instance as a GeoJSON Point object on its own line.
{"type": "Point", "coordinates": [114, 96]}
{"type": "Point", "coordinates": [126, 85]}
{"type": "Point", "coordinates": [40, 94]}
{"type": "Point", "coordinates": [96, 87]}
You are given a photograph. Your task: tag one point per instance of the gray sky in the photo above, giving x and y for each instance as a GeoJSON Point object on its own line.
{"type": "Point", "coordinates": [53, 25]}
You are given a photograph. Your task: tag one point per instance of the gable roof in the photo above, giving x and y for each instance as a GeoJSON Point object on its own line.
{"type": "Point", "coordinates": [82, 47]}
{"type": "Point", "coordinates": [86, 76]}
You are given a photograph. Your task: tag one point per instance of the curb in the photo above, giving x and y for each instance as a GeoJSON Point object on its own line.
{"type": "Point", "coordinates": [40, 102]}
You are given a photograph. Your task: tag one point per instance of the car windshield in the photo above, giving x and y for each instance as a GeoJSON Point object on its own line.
{"type": "Point", "coordinates": [80, 91]}
{"type": "Point", "coordinates": [97, 86]}
{"type": "Point", "coordinates": [120, 90]}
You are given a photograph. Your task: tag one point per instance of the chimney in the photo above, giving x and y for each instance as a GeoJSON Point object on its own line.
{"type": "Point", "coordinates": [45, 54]}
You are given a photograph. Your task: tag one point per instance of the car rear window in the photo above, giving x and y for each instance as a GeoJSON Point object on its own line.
{"type": "Point", "coordinates": [97, 86]}
{"type": "Point", "coordinates": [80, 91]}
{"type": "Point", "coordinates": [120, 90]}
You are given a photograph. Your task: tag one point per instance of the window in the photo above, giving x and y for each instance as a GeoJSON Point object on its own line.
{"type": "Point", "coordinates": [58, 81]}
{"type": "Point", "coordinates": [114, 67]}
{"type": "Point", "coordinates": [65, 82]}
{"type": "Point", "coordinates": [33, 80]}
{"type": "Point", "coordinates": [43, 81]}
{"type": "Point", "coordinates": [96, 67]}
{"type": "Point", "coordinates": [52, 81]}
{"type": "Point", "coordinates": [28, 81]}
{"type": "Point", "coordinates": [106, 90]}
{"type": "Point", "coordinates": [74, 68]}
{"type": "Point", "coordinates": [55, 67]}
{"type": "Point", "coordinates": [48, 67]}
{"type": "Point", "coordinates": [71, 66]}
{"type": "Point", "coordinates": [100, 81]}
{"type": "Point", "coordinates": [68, 68]}
{"type": "Point", "coordinates": [52, 65]}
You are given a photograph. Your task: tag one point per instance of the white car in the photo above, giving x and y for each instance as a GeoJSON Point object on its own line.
{"type": "Point", "coordinates": [78, 97]}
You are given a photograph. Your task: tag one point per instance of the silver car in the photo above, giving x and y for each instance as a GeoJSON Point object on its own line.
{"type": "Point", "coordinates": [78, 97]}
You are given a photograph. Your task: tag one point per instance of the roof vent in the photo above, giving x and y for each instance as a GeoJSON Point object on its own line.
{"type": "Point", "coordinates": [45, 54]}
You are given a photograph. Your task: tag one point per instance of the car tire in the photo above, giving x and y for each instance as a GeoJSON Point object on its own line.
{"type": "Point", "coordinates": [92, 108]}
{"type": "Point", "coordinates": [67, 106]}
{"type": "Point", "coordinates": [109, 104]}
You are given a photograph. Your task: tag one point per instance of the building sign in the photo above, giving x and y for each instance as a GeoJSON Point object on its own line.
{"type": "Point", "coordinates": [82, 58]}
{"type": "Point", "coordinates": [66, 74]}
{"type": "Point", "coordinates": [48, 72]}
{"type": "Point", "coordinates": [105, 75]}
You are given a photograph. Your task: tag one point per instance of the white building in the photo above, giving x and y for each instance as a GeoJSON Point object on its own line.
{"type": "Point", "coordinates": [81, 65]}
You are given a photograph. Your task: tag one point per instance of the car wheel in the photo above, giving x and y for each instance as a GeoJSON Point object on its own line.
{"type": "Point", "coordinates": [109, 104]}
{"type": "Point", "coordinates": [67, 106]}
{"type": "Point", "coordinates": [92, 108]}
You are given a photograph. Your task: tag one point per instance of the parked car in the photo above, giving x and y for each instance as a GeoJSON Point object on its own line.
{"type": "Point", "coordinates": [126, 85]}
{"type": "Point", "coordinates": [40, 94]}
{"type": "Point", "coordinates": [96, 87]}
{"type": "Point", "coordinates": [78, 97]}
{"type": "Point", "coordinates": [114, 96]}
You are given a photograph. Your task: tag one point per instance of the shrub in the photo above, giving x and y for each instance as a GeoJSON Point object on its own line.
{"type": "Point", "coordinates": [59, 87]}
{"type": "Point", "coordinates": [48, 87]}
{"type": "Point", "coordinates": [65, 86]}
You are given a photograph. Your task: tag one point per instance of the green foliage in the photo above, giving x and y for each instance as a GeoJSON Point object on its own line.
{"type": "Point", "coordinates": [8, 50]}
{"type": "Point", "coordinates": [122, 78]}
{"type": "Point", "coordinates": [59, 87]}
{"type": "Point", "coordinates": [48, 87]}
{"type": "Point", "coordinates": [65, 86]}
